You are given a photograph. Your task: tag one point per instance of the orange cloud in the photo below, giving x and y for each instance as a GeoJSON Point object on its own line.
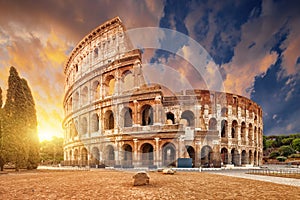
{"type": "Point", "coordinates": [37, 41]}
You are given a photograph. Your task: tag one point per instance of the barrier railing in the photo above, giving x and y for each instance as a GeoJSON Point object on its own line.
{"type": "Point", "coordinates": [288, 173]}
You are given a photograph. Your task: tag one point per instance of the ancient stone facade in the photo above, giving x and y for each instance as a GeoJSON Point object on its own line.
{"type": "Point", "coordinates": [113, 118]}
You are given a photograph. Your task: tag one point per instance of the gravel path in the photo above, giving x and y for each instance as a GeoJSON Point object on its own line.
{"type": "Point", "coordinates": [113, 184]}
{"type": "Point", "coordinates": [242, 174]}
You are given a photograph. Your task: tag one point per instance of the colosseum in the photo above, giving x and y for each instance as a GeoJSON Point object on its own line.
{"type": "Point", "coordinates": [113, 118]}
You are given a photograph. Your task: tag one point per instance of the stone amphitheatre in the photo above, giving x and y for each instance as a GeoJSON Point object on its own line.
{"type": "Point", "coordinates": [114, 118]}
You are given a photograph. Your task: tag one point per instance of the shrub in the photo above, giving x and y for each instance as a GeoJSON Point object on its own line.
{"type": "Point", "coordinates": [296, 144]}
{"type": "Point", "coordinates": [274, 154]}
{"type": "Point", "coordinates": [286, 150]}
{"type": "Point", "coordinates": [295, 155]}
{"type": "Point", "coordinates": [281, 158]}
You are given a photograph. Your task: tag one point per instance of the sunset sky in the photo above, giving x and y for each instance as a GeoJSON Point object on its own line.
{"type": "Point", "coordinates": [255, 44]}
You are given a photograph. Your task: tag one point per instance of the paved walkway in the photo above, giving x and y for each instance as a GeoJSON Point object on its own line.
{"type": "Point", "coordinates": [242, 174]}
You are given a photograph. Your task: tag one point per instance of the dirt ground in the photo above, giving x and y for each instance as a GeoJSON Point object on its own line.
{"type": "Point", "coordinates": [111, 184]}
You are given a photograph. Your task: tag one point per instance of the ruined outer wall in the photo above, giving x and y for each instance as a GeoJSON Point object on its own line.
{"type": "Point", "coordinates": [113, 117]}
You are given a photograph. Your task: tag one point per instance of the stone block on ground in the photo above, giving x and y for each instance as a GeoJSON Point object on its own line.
{"type": "Point", "coordinates": [141, 178]}
{"type": "Point", "coordinates": [168, 171]}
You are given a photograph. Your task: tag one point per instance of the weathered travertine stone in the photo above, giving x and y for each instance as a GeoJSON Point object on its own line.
{"type": "Point", "coordinates": [168, 171]}
{"type": "Point", "coordinates": [141, 178]}
{"type": "Point", "coordinates": [128, 121]}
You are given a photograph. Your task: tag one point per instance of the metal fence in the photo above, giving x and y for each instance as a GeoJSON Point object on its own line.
{"type": "Point", "coordinates": [288, 173]}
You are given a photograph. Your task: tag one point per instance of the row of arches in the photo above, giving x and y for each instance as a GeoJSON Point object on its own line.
{"type": "Point", "coordinates": [168, 155]}
{"type": "Point", "coordinates": [236, 158]}
{"type": "Point", "coordinates": [83, 96]}
{"type": "Point", "coordinates": [147, 113]}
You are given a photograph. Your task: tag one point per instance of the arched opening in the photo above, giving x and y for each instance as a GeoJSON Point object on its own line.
{"type": "Point", "coordinates": [76, 100]}
{"type": "Point", "coordinates": [70, 157]}
{"type": "Point", "coordinates": [224, 128]}
{"type": "Point", "coordinates": [84, 157]}
{"type": "Point", "coordinates": [224, 112]}
{"type": "Point", "coordinates": [206, 156]}
{"type": "Point", "coordinates": [244, 158]}
{"type": "Point", "coordinates": [109, 156]}
{"type": "Point", "coordinates": [94, 123]}
{"type": "Point", "coordinates": [255, 135]}
{"type": "Point", "coordinates": [234, 129]}
{"type": "Point", "coordinates": [224, 155]}
{"type": "Point", "coordinates": [110, 89]}
{"type": "Point", "coordinates": [95, 52]}
{"type": "Point", "coordinates": [95, 156]}
{"type": "Point", "coordinates": [170, 118]}
{"type": "Point", "coordinates": [109, 121]}
{"type": "Point", "coordinates": [243, 131]}
{"type": "Point", "coordinates": [128, 81]}
{"type": "Point", "coordinates": [250, 134]}
{"type": "Point", "coordinates": [73, 131]}
{"type": "Point", "coordinates": [76, 128]}
{"type": "Point", "coordinates": [127, 117]}
{"type": "Point", "coordinates": [127, 155]}
{"type": "Point", "coordinates": [212, 124]}
{"type": "Point", "coordinates": [96, 90]}
{"type": "Point", "coordinates": [235, 157]}
{"type": "Point", "coordinates": [147, 115]}
{"type": "Point", "coordinates": [191, 153]}
{"type": "Point", "coordinates": [250, 157]}
{"type": "Point", "coordinates": [147, 154]}
{"type": "Point", "coordinates": [76, 158]}
{"type": "Point", "coordinates": [255, 158]}
{"type": "Point", "coordinates": [83, 125]}
{"type": "Point", "coordinates": [84, 95]}
{"type": "Point", "coordinates": [169, 154]}
{"type": "Point", "coordinates": [189, 117]}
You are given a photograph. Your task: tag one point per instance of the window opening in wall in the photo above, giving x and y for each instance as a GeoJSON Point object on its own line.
{"type": "Point", "coordinates": [96, 53]}
{"type": "Point", "coordinates": [128, 117]}
{"type": "Point", "coordinates": [147, 115]}
{"type": "Point", "coordinates": [170, 116]}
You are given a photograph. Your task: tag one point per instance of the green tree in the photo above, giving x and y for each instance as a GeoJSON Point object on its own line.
{"type": "Point", "coordinates": [20, 123]}
{"type": "Point", "coordinates": [265, 142]}
{"type": "Point", "coordinates": [287, 141]}
{"type": "Point", "coordinates": [2, 149]}
{"type": "Point", "coordinates": [286, 150]}
{"type": "Point", "coordinates": [31, 126]}
{"type": "Point", "coordinates": [13, 120]}
{"type": "Point", "coordinates": [52, 151]}
{"type": "Point", "coordinates": [270, 143]}
{"type": "Point", "coordinates": [274, 154]}
{"type": "Point", "coordinates": [296, 144]}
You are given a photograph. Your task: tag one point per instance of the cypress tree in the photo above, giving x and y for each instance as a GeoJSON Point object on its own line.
{"type": "Point", "coordinates": [1, 101]}
{"type": "Point", "coordinates": [20, 123]}
{"type": "Point", "coordinates": [31, 127]}
{"type": "Point", "coordinates": [13, 120]}
{"type": "Point", "coordinates": [2, 156]}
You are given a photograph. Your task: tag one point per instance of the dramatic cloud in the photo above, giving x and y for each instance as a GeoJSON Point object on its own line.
{"type": "Point", "coordinates": [255, 46]}
{"type": "Point", "coordinates": [37, 36]}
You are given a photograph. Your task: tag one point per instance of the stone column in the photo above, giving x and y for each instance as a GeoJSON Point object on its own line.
{"type": "Point", "coordinates": [136, 159]}
{"type": "Point", "coordinates": [238, 131]}
{"type": "Point", "coordinates": [246, 134]}
{"type": "Point", "coordinates": [157, 111]}
{"type": "Point", "coordinates": [198, 154]}
{"type": "Point", "coordinates": [136, 113]}
{"type": "Point", "coordinates": [197, 117]}
{"type": "Point", "coordinates": [181, 147]}
{"type": "Point", "coordinates": [157, 158]}
{"type": "Point", "coordinates": [229, 156]}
